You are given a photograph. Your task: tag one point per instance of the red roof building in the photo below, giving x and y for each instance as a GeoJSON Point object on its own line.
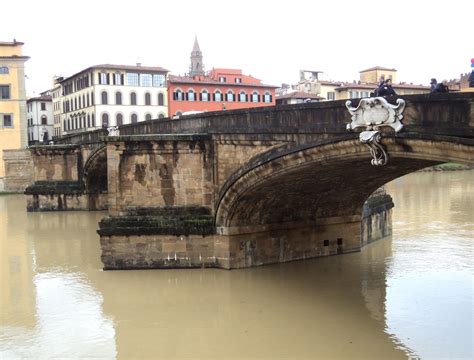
{"type": "Point", "coordinates": [218, 89]}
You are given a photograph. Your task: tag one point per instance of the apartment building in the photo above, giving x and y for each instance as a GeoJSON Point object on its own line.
{"type": "Point", "coordinates": [108, 95]}
{"type": "Point", "coordinates": [311, 82]}
{"type": "Point", "coordinates": [215, 90]}
{"type": "Point", "coordinates": [40, 119]}
{"type": "Point", "coordinates": [13, 134]}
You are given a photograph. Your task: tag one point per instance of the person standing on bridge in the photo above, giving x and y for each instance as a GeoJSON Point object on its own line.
{"type": "Point", "coordinates": [433, 85]}
{"type": "Point", "coordinates": [386, 89]}
{"type": "Point", "coordinates": [442, 87]}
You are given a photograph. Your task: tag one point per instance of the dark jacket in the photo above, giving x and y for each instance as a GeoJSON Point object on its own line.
{"type": "Point", "coordinates": [441, 88]}
{"type": "Point", "coordinates": [386, 90]}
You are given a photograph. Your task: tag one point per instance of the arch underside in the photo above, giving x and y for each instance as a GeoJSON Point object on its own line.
{"type": "Point", "coordinates": [95, 172]}
{"type": "Point", "coordinates": [325, 181]}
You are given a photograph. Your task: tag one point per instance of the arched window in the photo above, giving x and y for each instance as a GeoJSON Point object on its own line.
{"type": "Point", "coordinates": [88, 102]}
{"type": "Point", "coordinates": [83, 100]}
{"type": "Point", "coordinates": [204, 95]}
{"type": "Point", "coordinates": [267, 98]}
{"type": "Point", "coordinates": [4, 70]}
{"type": "Point", "coordinates": [119, 119]}
{"type": "Point", "coordinates": [133, 98]}
{"type": "Point", "coordinates": [147, 99]}
{"type": "Point", "coordinates": [104, 98]}
{"type": "Point", "coordinates": [148, 117]}
{"type": "Point", "coordinates": [178, 113]}
{"type": "Point", "coordinates": [134, 118]}
{"type": "Point", "coordinates": [161, 116]}
{"type": "Point", "coordinates": [44, 120]}
{"type": "Point", "coordinates": [178, 95]}
{"type": "Point", "coordinates": [118, 98]}
{"type": "Point", "coordinates": [105, 120]}
{"type": "Point", "coordinates": [230, 96]}
{"type": "Point", "coordinates": [93, 120]}
{"type": "Point", "coordinates": [217, 96]}
{"type": "Point", "coordinates": [242, 96]}
{"type": "Point", "coordinates": [255, 97]}
{"type": "Point", "coordinates": [88, 120]}
{"type": "Point", "coordinates": [161, 99]}
{"type": "Point", "coordinates": [191, 95]}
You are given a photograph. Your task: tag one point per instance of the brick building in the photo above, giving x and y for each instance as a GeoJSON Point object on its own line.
{"type": "Point", "coordinates": [218, 89]}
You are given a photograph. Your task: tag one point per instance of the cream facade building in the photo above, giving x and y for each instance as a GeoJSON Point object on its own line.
{"type": "Point", "coordinates": [368, 81]}
{"type": "Point", "coordinates": [40, 119]}
{"type": "Point", "coordinates": [108, 95]}
{"type": "Point", "coordinates": [13, 121]}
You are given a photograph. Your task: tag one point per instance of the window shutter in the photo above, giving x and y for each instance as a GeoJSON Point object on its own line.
{"type": "Point", "coordinates": [200, 96]}
{"type": "Point", "coordinates": [258, 98]}
{"type": "Point", "coordinates": [246, 98]}
{"type": "Point", "coordinates": [270, 98]}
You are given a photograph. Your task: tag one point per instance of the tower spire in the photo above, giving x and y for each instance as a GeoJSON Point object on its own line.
{"type": "Point", "coordinates": [197, 67]}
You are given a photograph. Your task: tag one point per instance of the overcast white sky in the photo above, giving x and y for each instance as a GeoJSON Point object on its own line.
{"type": "Point", "coordinates": [267, 39]}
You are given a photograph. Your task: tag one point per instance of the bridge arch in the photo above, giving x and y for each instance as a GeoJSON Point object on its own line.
{"type": "Point", "coordinates": [94, 177]}
{"type": "Point", "coordinates": [330, 179]}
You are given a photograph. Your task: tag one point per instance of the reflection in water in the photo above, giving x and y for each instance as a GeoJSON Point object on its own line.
{"type": "Point", "coordinates": [396, 298]}
{"type": "Point", "coordinates": [430, 275]}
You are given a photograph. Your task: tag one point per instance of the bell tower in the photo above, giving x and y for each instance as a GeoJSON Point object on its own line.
{"type": "Point", "coordinates": [197, 67]}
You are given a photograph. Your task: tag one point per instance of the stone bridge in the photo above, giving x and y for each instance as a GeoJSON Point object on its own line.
{"type": "Point", "coordinates": [245, 187]}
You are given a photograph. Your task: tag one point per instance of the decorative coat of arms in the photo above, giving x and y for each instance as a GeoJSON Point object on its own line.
{"type": "Point", "coordinates": [113, 131]}
{"type": "Point", "coordinates": [372, 114]}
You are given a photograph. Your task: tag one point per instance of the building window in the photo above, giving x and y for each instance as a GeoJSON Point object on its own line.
{"type": "Point", "coordinates": [222, 79]}
{"type": "Point", "coordinates": [331, 95]}
{"type": "Point", "coordinates": [133, 98]}
{"type": "Point", "coordinates": [161, 116]}
{"type": "Point", "coordinates": [161, 99]}
{"type": "Point", "coordinates": [44, 120]}
{"type": "Point", "coordinates": [88, 120]}
{"type": "Point", "coordinates": [118, 79]}
{"type": "Point", "coordinates": [158, 80]}
{"type": "Point", "coordinates": [132, 79]}
{"type": "Point", "coordinates": [43, 106]}
{"type": "Point", "coordinates": [255, 97]}
{"type": "Point", "coordinates": [133, 118]}
{"type": "Point", "coordinates": [267, 98]}
{"type": "Point", "coordinates": [353, 94]}
{"type": "Point", "coordinates": [178, 95]}
{"type": "Point", "coordinates": [105, 120]}
{"type": "Point", "coordinates": [93, 120]}
{"type": "Point", "coordinates": [242, 97]}
{"type": "Point", "coordinates": [119, 119]}
{"type": "Point", "coordinates": [147, 99]}
{"type": "Point", "coordinates": [191, 95]}
{"type": "Point", "coordinates": [4, 70]}
{"type": "Point", "coordinates": [4, 92]}
{"type": "Point", "coordinates": [148, 117]}
{"type": "Point", "coordinates": [238, 80]}
{"type": "Point", "coordinates": [145, 80]}
{"type": "Point", "coordinates": [217, 96]}
{"type": "Point", "coordinates": [104, 97]}
{"type": "Point", "coordinates": [118, 98]}
{"type": "Point", "coordinates": [204, 95]}
{"type": "Point", "coordinates": [230, 96]}
{"type": "Point", "coordinates": [7, 121]}
{"type": "Point", "coordinates": [103, 78]}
